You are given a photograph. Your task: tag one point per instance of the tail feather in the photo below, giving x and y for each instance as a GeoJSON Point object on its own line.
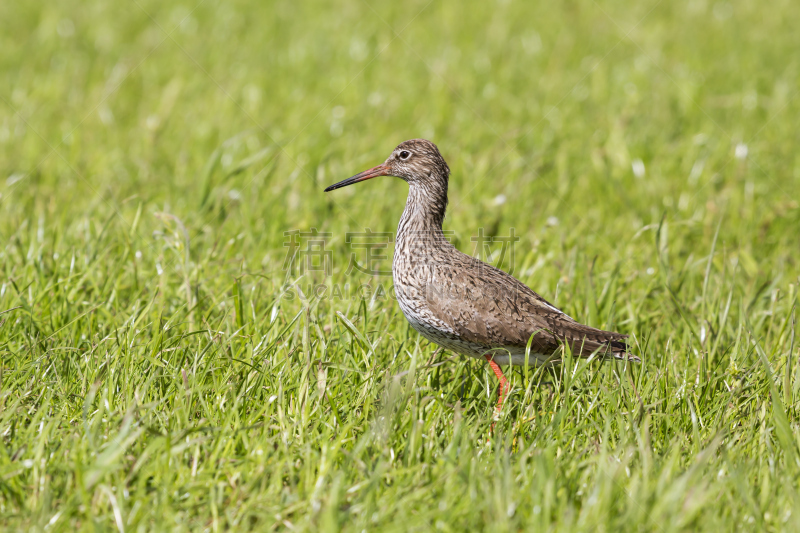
{"type": "Point", "coordinates": [608, 348]}
{"type": "Point", "coordinates": [619, 350]}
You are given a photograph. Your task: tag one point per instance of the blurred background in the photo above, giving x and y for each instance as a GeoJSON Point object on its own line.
{"type": "Point", "coordinates": [572, 110]}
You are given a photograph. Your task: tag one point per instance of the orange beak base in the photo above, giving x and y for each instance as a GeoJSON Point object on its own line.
{"type": "Point", "coordinates": [380, 170]}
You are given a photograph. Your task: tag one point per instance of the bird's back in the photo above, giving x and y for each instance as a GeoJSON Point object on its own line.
{"type": "Point", "coordinates": [483, 308]}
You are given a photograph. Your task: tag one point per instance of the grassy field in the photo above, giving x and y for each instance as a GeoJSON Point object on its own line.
{"type": "Point", "coordinates": [165, 367]}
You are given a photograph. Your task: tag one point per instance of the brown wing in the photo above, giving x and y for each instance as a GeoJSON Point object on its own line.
{"type": "Point", "coordinates": [485, 305]}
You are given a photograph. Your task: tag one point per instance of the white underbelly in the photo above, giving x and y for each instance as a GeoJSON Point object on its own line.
{"type": "Point", "coordinates": [449, 340]}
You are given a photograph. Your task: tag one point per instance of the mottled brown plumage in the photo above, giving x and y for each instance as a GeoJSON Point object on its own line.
{"type": "Point", "coordinates": [460, 302]}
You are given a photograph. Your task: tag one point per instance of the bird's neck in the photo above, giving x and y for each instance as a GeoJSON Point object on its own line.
{"type": "Point", "coordinates": [424, 213]}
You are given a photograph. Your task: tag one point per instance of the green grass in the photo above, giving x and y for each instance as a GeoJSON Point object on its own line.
{"type": "Point", "coordinates": [158, 375]}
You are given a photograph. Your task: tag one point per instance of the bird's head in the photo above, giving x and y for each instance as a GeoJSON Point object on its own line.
{"type": "Point", "coordinates": [416, 161]}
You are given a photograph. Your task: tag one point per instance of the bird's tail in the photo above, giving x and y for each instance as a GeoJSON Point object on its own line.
{"type": "Point", "coordinates": [619, 350]}
{"type": "Point", "coordinates": [605, 345]}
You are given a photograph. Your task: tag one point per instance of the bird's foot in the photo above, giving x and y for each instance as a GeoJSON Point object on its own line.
{"type": "Point", "coordinates": [501, 392]}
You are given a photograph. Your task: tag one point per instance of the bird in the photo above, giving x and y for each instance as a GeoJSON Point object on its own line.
{"type": "Point", "coordinates": [458, 301]}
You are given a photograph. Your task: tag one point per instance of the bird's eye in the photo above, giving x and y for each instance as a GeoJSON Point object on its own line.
{"type": "Point", "coordinates": [405, 154]}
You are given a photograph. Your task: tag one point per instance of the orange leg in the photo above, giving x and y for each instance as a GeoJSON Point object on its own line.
{"type": "Point", "coordinates": [501, 393]}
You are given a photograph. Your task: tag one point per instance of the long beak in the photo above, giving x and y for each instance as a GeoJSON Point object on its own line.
{"type": "Point", "coordinates": [380, 170]}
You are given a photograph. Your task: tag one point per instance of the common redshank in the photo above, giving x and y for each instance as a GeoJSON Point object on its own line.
{"type": "Point", "coordinates": [461, 303]}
